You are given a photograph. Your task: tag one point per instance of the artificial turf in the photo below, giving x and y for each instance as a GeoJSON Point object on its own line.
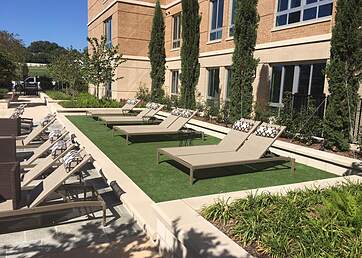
{"type": "Point", "coordinates": [169, 180]}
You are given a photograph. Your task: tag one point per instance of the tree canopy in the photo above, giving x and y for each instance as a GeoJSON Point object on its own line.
{"type": "Point", "coordinates": [43, 52]}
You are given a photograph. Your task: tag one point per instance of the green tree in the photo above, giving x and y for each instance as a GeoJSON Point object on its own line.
{"type": "Point", "coordinates": [344, 74]}
{"type": "Point", "coordinates": [12, 57]}
{"type": "Point", "coordinates": [101, 62]}
{"type": "Point", "coordinates": [43, 52]}
{"type": "Point", "coordinates": [66, 70]}
{"type": "Point", "coordinates": [190, 66]}
{"type": "Point", "coordinates": [244, 64]}
{"type": "Point", "coordinates": [157, 55]}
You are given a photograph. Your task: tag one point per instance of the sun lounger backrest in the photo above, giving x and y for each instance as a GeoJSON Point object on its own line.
{"type": "Point", "coordinates": [168, 121]}
{"type": "Point", "coordinates": [235, 138]}
{"type": "Point", "coordinates": [181, 121]}
{"type": "Point", "coordinates": [37, 131]}
{"type": "Point", "coordinates": [143, 113]}
{"type": "Point", "coordinates": [155, 111]}
{"type": "Point", "coordinates": [255, 146]}
{"type": "Point", "coordinates": [45, 146]}
{"type": "Point", "coordinates": [54, 180]}
{"type": "Point", "coordinates": [130, 106]}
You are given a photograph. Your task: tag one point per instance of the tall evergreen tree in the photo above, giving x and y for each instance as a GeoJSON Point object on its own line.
{"type": "Point", "coordinates": [156, 53]}
{"type": "Point", "coordinates": [244, 64]}
{"type": "Point", "coordinates": [344, 74]}
{"type": "Point", "coordinates": [190, 66]}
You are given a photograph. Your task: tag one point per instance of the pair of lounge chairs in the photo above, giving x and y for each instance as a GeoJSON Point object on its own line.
{"type": "Point", "coordinates": [246, 143]}
{"type": "Point", "coordinates": [128, 106]}
{"type": "Point", "coordinates": [145, 116]}
{"type": "Point", "coordinates": [54, 137]}
{"type": "Point", "coordinates": [170, 126]}
{"type": "Point", "coordinates": [52, 193]}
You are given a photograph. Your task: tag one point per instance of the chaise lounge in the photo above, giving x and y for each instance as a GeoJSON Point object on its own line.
{"type": "Point", "coordinates": [143, 117]}
{"type": "Point", "coordinates": [130, 104]}
{"type": "Point", "coordinates": [251, 152]}
{"type": "Point", "coordinates": [170, 126]}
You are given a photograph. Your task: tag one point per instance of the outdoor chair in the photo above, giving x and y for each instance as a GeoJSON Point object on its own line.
{"type": "Point", "coordinates": [170, 126]}
{"type": "Point", "coordinates": [144, 117]}
{"type": "Point", "coordinates": [232, 141]}
{"type": "Point", "coordinates": [130, 104]}
{"type": "Point", "coordinates": [37, 131]}
{"type": "Point", "coordinates": [53, 194]}
{"type": "Point", "coordinates": [251, 152]}
{"type": "Point", "coordinates": [58, 151]}
{"type": "Point", "coordinates": [54, 136]}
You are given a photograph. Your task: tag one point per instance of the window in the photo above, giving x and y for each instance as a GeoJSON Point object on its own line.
{"type": "Point", "coordinates": [228, 82]}
{"type": "Point", "coordinates": [217, 14]}
{"type": "Point", "coordinates": [175, 82]}
{"type": "Point", "coordinates": [176, 33]}
{"type": "Point", "coordinates": [108, 31]}
{"type": "Point", "coordinates": [294, 11]}
{"type": "Point", "coordinates": [213, 83]}
{"type": "Point", "coordinates": [302, 80]}
{"type": "Point", "coordinates": [232, 18]}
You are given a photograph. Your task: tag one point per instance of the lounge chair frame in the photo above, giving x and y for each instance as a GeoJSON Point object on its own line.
{"type": "Point", "coordinates": [192, 168]}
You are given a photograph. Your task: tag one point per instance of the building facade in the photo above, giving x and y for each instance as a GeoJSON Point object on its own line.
{"type": "Point", "coordinates": [293, 46]}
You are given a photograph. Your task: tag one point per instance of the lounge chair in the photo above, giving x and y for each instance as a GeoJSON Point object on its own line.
{"type": "Point", "coordinates": [54, 137]}
{"type": "Point", "coordinates": [171, 125]}
{"type": "Point", "coordinates": [130, 104]}
{"type": "Point", "coordinates": [235, 138]}
{"type": "Point", "coordinates": [41, 199]}
{"type": "Point", "coordinates": [142, 118]}
{"type": "Point", "coordinates": [251, 152]}
{"type": "Point", "coordinates": [44, 124]}
{"type": "Point", "coordinates": [58, 151]}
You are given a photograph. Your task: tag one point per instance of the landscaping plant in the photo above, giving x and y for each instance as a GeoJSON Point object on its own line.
{"type": "Point", "coordinates": [86, 100]}
{"type": "Point", "coordinates": [157, 54]}
{"type": "Point", "coordinates": [101, 62]}
{"type": "Point", "coordinates": [244, 64]}
{"type": "Point", "coordinates": [307, 223]}
{"type": "Point", "coordinates": [66, 70]}
{"type": "Point", "coordinates": [190, 66]}
{"type": "Point", "coordinates": [344, 74]}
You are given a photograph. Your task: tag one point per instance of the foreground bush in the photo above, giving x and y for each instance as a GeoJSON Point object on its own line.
{"type": "Point", "coordinates": [310, 223]}
{"type": "Point", "coordinates": [58, 95]}
{"type": "Point", "coordinates": [86, 100]}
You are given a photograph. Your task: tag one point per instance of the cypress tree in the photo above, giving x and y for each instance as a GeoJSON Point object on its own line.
{"type": "Point", "coordinates": [190, 67]}
{"type": "Point", "coordinates": [344, 74]}
{"type": "Point", "coordinates": [157, 54]}
{"type": "Point", "coordinates": [244, 64]}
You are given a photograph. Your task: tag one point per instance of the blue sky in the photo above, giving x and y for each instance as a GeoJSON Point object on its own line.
{"type": "Point", "coordinates": [60, 21]}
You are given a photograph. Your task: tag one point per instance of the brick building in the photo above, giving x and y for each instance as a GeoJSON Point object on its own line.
{"type": "Point", "coordinates": [293, 46]}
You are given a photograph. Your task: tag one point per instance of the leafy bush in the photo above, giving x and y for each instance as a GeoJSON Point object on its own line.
{"type": "Point", "coordinates": [58, 95]}
{"type": "Point", "coordinates": [3, 92]}
{"type": "Point", "coordinates": [308, 223]}
{"type": "Point", "coordinates": [86, 100]}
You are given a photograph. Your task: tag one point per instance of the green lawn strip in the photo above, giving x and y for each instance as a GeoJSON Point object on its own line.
{"type": "Point", "coordinates": [165, 181]}
{"type": "Point", "coordinates": [307, 223]}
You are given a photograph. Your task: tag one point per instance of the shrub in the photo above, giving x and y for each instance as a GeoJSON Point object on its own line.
{"type": "Point", "coordinates": [58, 95]}
{"type": "Point", "coordinates": [86, 100]}
{"type": "Point", "coordinates": [308, 223]}
{"type": "Point", "coordinates": [143, 93]}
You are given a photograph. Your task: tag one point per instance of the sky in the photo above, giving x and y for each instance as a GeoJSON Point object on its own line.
{"type": "Point", "coordinates": [60, 21]}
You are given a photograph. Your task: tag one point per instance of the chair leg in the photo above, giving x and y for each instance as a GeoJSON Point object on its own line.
{"type": "Point", "coordinates": [191, 176]}
{"type": "Point", "coordinates": [127, 139]}
{"type": "Point", "coordinates": [158, 157]}
{"type": "Point", "coordinates": [104, 215]}
{"type": "Point", "coordinates": [292, 163]}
